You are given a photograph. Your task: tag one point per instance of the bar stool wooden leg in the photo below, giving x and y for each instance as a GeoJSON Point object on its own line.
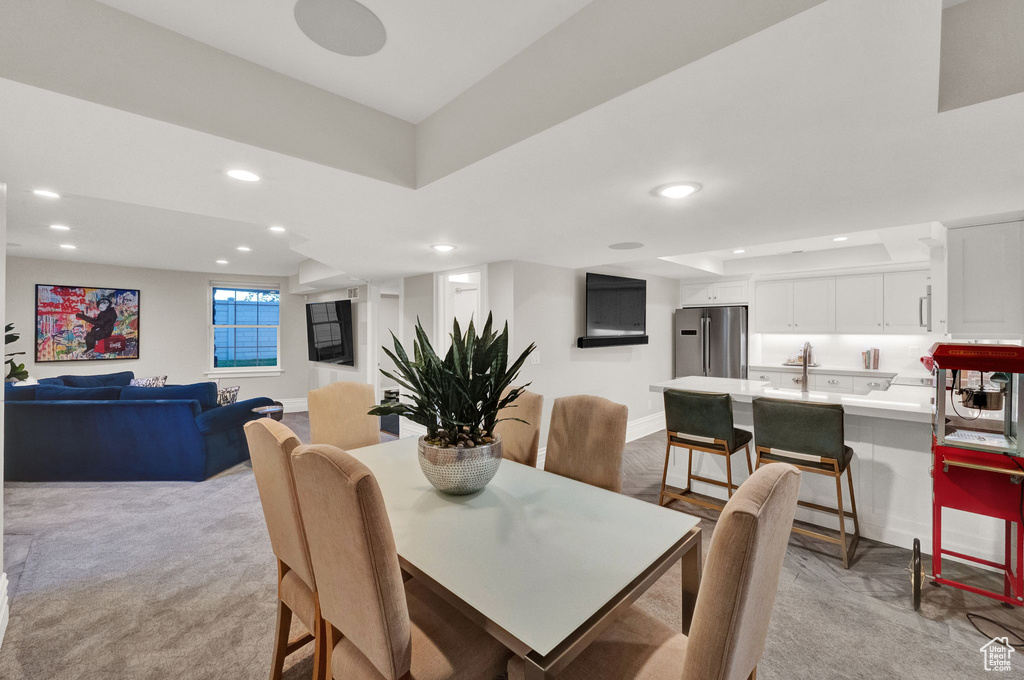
{"type": "Point", "coordinates": [746, 453]}
{"type": "Point", "coordinates": [842, 518]}
{"type": "Point", "coordinates": [319, 645]}
{"type": "Point", "coordinates": [689, 469]}
{"type": "Point", "coordinates": [284, 625]}
{"type": "Point", "coordinates": [664, 474]}
{"type": "Point", "coordinates": [728, 472]}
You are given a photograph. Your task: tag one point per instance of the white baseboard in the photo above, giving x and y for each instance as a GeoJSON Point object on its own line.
{"type": "Point", "coordinates": [4, 607]}
{"type": "Point", "coordinates": [293, 405]}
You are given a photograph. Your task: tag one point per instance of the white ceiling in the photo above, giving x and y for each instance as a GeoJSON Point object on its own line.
{"type": "Point", "coordinates": [434, 50]}
{"type": "Point", "coordinates": [823, 124]}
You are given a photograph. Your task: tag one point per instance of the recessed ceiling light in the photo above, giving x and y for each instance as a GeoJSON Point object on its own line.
{"type": "Point", "coordinates": [60, 227]}
{"type": "Point", "coordinates": [46, 193]}
{"type": "Point", "coordinates": [244, 175]}
{"type": "Point", "coordinates": [67, 246]}
{"type": "Point", "coordinates": [277, 229]}
{"type": "Point", "coordinates": [738, 252]}
{"type": "Point", "coordinates": [676, 189]}
{"type": "Point", "coordinates": [341, 26]}
{"type": "Point", "coordinates": [244, 249]}
{"type": "Point", "coordinates": [839, 238]}
{"type": "Point", "coordinates": [442, 248]}
{"type": "Point", "coordinates": [222, 261]}
{"type": "Point", "coordinates": [627, 245]}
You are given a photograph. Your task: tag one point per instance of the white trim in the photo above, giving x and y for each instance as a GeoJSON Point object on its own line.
{"type": "Point", "coordinates": [243, 373]}
{"type": "Point", "coordinates": [407, 428]}
{"type": "Point", "coordinates": [294, 405]}
{"type": "Point", "coordinates": [635, 429]}
{"type": "Point", "coordinates": [5, 609]}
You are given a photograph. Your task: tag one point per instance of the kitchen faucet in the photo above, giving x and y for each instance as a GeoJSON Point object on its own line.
{"type": "Point", "coordinates": [804, 384]}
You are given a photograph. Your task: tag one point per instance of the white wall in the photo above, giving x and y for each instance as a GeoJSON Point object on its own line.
{"type": "Point", "coordinates": [4, 614]}
{"type": "Point", "coordinates": [550, 309]}
{"type": "Point", "coordinates": [174, 310]}
{"type": "Point", "coordinates": [896, 352]}
{"type": "Point", "coordinates": [362, 312]}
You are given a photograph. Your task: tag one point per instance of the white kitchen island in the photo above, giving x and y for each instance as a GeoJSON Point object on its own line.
{"type": "Point", "coordinates": [890, 433]}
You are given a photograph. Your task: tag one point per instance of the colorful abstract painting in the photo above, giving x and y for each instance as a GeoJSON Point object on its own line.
{"type": "Point", "coordinates": [74, 323]}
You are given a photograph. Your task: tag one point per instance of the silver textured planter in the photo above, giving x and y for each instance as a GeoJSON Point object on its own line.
{"type": "Point", "coordinates": [460, 471]}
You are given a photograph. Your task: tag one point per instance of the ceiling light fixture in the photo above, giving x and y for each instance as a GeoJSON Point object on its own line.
{"type": "Point", "coordinates": [344, 27]}
{"type": "Point", "coordinates": [67, 246]}
{"type": "Point", "coordinates": [222, 261]}
{"type": "Point", "coordinates": [839, 238]}
{"type": "Point", "coordinates": [738, 252]}
{"type": "Point", "coordinates": [243, 175]}
{"type": "Point", "coordinates": [676, 189]}
{"type": "Point", "coordinates": [59, 227]}
{"type": "Point", "coordinates": [443, 248]}
{"type": "Point", "coordinates": [277, 229]}
{"type": "Point", "coordinates": [627, 245]}
{"type": "Point", "coordinates": [244, 249]}
{"type": "Point", "coordinates": [46, 193]}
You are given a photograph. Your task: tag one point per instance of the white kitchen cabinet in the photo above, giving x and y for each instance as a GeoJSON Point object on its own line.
{"type": "Point", "coordinates": [826, 382]}
{"type": "Point", "coordinates": [723, 293]}
{"type": "Point", "coordinates": [773, 377]}
{"type": "Point", "coordinates": [696, 294]}
{"type": "Point", "coordinates": [984, 281]}
{"type": "Point", "coordinates": [814, 305]}
{"type": "Point", "coordinates": [874, 384]}
{"type": "Point", "coordinates": [906, 305]}
{"type": "Point", "coordinates": [773, 307]}
{"type": "Point", "coordinates": [859, 303]}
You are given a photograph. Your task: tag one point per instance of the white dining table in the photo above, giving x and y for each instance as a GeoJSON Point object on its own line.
{"type": "Point", "coordinates": [542, 562]}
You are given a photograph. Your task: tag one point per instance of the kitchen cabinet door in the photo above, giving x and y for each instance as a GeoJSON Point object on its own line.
{"type": "Point", "coordinates": [696, 294]}
{"type": "Point", "coordinates": [729, 293]}
{"type": "Point", "coordinates": [859, 304]}
{"type": "Point", "coordinates": [905, 307]}
{"type": "Point", "coordinates": [773, 307]}
{"type": "Point", "coordinates": [814, 305]}
{"type": "Point", "coordinates": [985, 290]}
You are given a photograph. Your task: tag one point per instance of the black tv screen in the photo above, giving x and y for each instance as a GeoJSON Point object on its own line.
{"type": "Point", "coordinates": [329, 332]}
{"type": "Point", "coordinates": [616, 306]}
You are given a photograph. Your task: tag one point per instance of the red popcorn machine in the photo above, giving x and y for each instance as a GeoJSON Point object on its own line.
{"type": "Point", "coordinates": [977, 463]}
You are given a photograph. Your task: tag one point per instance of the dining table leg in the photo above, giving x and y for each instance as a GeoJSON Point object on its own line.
{"type": "Point", "coordinates": [533, 671]}
{"type": "Point", "coordinates": [692, 565]}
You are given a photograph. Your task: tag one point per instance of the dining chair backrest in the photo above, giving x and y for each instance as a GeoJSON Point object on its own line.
{"type": "Point", "coordinates": [521, 441]}
{"type": "Point", "coordinates": [586, 439]}
{"type": "Point", "coordinates": [700, 413]}
{"type": "Point", "coordinates": [270, 449]}
{"type": "Point", "coordinates": [741, 575]}
{"type": "Point", "coordinates": [812, 429]}
{"type": "Point", "coordinates": [338, 415]}
{"type": "Point", "coordinates": [353, 551]}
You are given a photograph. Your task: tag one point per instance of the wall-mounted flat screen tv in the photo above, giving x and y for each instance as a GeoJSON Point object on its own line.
{"type": "Point", "coordinates": [616, 311]}
{"type": "Point", "coordinates": [329, 332]}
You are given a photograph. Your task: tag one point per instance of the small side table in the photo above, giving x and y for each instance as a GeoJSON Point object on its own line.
{"type": "Point", "coordinates": [275, 411]}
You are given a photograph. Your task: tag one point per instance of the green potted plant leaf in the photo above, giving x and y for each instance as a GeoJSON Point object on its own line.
{"type": "Point", "coordinates": [457, 398]}
{"type": "Point", "coordinates": [15, 372]}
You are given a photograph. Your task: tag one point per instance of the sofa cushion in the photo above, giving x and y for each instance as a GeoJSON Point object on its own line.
{"type": "Point", "coordinates": [61, 393]}
{"type": "Point", "coordinates": [109, 379]}
{"type": "Point", "coordinates": [51, 381]}
{"type": "Point", "coordinates": [205, 393]}
{"type": "Point", "coordinates": [23, 393]}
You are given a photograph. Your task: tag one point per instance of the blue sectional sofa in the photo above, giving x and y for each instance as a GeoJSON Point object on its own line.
{"type": "Point", "coordinates": [97, 428]}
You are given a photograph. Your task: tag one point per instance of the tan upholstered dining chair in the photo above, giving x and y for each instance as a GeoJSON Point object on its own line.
{"type": "Point", "coordinates": [338, 416]}
{"type": "Point", "coordinates": [270, 447]}
{"type": "Point", "coordinates": [520, 441]}
{"type": "Point", "coordinates": [734, 603]}
{"type": "Point", "coordinates": [586, 439]}
{"type": "Point", "coordinates": [378, 627]}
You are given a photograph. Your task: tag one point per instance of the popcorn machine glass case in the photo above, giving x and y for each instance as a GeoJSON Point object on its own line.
{"type": "Point", "coordinates": [977, 465]}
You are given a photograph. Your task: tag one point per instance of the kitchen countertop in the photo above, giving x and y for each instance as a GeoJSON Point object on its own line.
{"type": "Point", "coordinates": [859, 372]}
{"type": "Point", "coordinates": [899, 402]}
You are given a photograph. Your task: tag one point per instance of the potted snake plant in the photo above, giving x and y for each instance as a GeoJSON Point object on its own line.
{"type": "Point", "coordinates": [457, 398]}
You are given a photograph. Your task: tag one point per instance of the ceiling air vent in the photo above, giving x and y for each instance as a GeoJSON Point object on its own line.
{"type": "Point", "coordinates": [353, 293]}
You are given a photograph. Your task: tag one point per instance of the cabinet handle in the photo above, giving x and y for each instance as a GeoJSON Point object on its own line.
{"type": "Point", "coordinates": [764, 377]}
{"type": "Point", "coordinates": [874, 384]}
{"type": "Point", "coordinates": [796, 380]}
{"type": "Point", "coordinates": [879, 324]}
{"type": "Point", "coordinates": [833, 382]}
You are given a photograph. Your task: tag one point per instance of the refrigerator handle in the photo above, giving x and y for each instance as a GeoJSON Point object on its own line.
{"type": "Point", "coordinates": [707, 346]}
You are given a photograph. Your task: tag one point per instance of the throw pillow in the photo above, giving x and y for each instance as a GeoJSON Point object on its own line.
{"type": "Point", "coordinates": [227, 395]}
{"type": "Point", "coordinates": [155, 381]}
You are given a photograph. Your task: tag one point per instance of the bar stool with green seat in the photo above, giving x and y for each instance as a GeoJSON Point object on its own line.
{"type": "Point", "coordinates": [810, 437]}
{"type": "Point", "coordinates": [701, 421]}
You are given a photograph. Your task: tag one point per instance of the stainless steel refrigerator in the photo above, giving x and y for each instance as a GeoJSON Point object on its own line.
{"type": "Point", "coordinates": [711, 341]}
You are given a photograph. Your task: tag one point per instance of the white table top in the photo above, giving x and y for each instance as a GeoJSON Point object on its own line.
{"type": "Point", "coordinates": [536, 553]}
{"type": "Point", "coordinates": [896, 403]}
